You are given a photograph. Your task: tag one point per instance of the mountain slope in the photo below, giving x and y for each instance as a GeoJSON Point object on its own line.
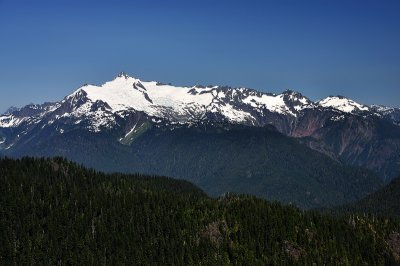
{"type": "Point", "coordinates": [219, 158]}
{"type": "Point", "coordinates": [55, 212]}
{"type": "Point", "coordinates": [362, 141]}
{"type": "Point", "coordinates": [385, 201]}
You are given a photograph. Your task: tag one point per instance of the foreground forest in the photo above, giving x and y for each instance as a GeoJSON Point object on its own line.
{"type": "Point", "coordinates": [54, 212]}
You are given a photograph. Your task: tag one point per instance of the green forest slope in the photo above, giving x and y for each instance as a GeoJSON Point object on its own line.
{"type": "Point", "coordinates": [219, 159]}
{"type": "Point", "coordinates": [385, 201]}
{"type": "Point", "coordinates": [54, 212]}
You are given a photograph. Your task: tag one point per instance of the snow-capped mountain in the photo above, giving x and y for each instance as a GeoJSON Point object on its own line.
{"type": "Point", "coordinates": [183, 104]}
{"type": "Point", "coordinates": [389, 113]}
{"type": "Point", "coordinates": [343, 104]}
{"type": "Point", "coordinates": [126, 106]}
{"type": "Point", "coordinates": [98, 106]}
{"type": "Point", "coordinates": [124, 94]}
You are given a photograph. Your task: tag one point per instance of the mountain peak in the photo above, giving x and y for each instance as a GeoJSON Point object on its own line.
{"type": "Point", "coordinates": [291, 92]}
{"type": "Point", "coordinates": [122, 74]}
{"type": "Point", "coordinates": [343, 104]}
{"type": "Point", "coordinates": [340, 97]}
{"type": "Point", "coordinates": [12, 109]}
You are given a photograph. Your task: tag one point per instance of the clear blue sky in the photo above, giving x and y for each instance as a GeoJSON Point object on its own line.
{"type": "Point", "coordinates": [320, 48]}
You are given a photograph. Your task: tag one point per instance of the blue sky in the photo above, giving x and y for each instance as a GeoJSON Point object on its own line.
{"type": "Point", "coordinates": [320, 48]}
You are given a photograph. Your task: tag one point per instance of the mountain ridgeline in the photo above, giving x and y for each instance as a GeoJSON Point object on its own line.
{"type": "Point", "coordinates": [56, 212]}
{"type": "Point", "coordinates": [277, 146]}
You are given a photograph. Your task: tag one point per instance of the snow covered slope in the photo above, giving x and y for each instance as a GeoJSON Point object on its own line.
{"type": "Point", "coordinates": [183, 104]}
{"type": "Point", "coordinates": [343, 104]}
{"type": "Point", "coordinates": [99, 106]}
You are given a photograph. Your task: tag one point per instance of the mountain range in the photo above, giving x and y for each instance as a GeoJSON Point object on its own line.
{"type": "Point", "coordinates": [221, 138]}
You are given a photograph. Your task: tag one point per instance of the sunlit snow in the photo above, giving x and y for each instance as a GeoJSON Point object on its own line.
{"type": "Point", "coordinates": [342, 104]}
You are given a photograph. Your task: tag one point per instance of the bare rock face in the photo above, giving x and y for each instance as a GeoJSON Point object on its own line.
{"type": "Point", "coordinates": [215, 232]}
{"type": "Point", "coordinates": [367, 141]}
{"type": "Point", "coordinates": [293, 250]}
{"type": "Point", "coordinates": [394, 244]}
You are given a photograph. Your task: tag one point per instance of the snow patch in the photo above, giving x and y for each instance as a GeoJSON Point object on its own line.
{"type": "Point", "coordinates": [131, 131]}
{"type": "Point", "coordinates": [233, 114]}
{"type": "Point", "coordinates": [337, 118]}
{"type": "Point", "coordinates": [273, 103]}
{"type": "Point", "coordinates": [11, 121]}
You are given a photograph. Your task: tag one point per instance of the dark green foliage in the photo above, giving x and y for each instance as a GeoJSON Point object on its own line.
{"type": "Point", "coordinates": [218, 158]}
{"type": "Point", "coordinates": [385, 201]}
{"type": "Point", "coordinates": [54, 212]}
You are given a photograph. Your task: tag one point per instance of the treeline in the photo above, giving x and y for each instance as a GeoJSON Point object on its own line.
{"type": "Point", "coordinates": [54, 212]}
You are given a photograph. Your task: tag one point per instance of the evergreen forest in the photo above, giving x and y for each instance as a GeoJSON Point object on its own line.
{"type": "Point", "coordinates": [55, 212]}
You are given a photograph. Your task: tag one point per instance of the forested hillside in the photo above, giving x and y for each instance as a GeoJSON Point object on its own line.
{"type": "Point", "coordinates": [54, 212]}
{"type": "Point", "coordinates": [218, 158]}
{"type": "Point", "coordinates": [385, 201]}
